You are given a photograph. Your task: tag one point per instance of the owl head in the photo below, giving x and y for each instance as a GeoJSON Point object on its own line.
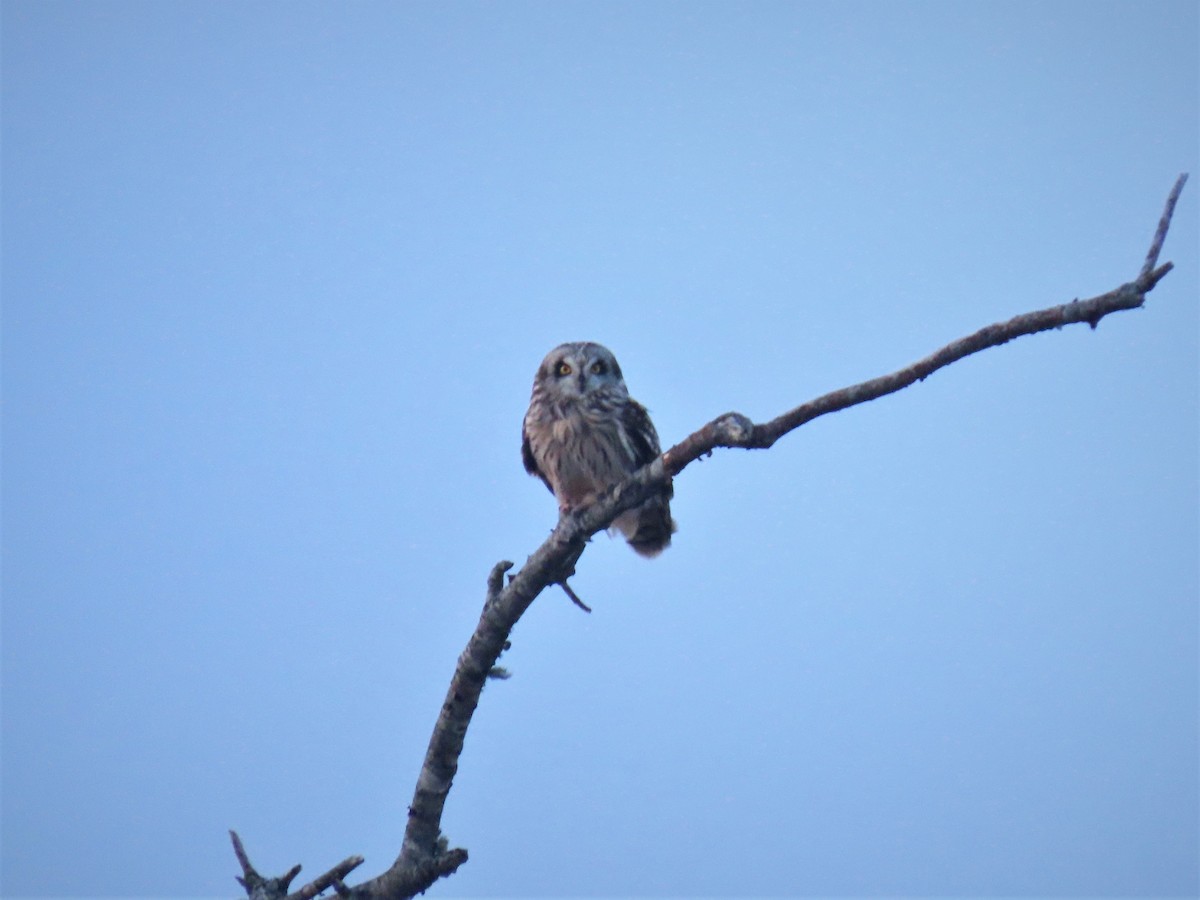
{"type": "Point", "coordinates": [580, 368]}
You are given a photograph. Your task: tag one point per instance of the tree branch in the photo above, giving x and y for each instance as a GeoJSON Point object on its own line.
{"type": "Point", "coordinates": [332, 878]}
{"type": "Point", "coordinates": [1160, 233]}
{"type": "Point", "coordinates": [424, 856]}
{"type": "Point", "coordinates": [260, 888]}
{"type": "Point", "coordinates": [735, 430]}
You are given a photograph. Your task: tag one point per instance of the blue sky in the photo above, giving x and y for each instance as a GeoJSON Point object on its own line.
{"type": "Point", "coordinates": [276, 278]}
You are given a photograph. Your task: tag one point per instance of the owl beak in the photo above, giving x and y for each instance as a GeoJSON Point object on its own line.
{"type": "Point", "coordinates": [582, 381]}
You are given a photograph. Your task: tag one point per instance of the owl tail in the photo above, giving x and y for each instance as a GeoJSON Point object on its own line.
{"type": "Point", "coordinates": [648, 528]}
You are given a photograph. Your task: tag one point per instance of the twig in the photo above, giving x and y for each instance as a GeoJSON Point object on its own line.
{"type": "Point", "coordinates": [574, 597]}
{"type": "Point", "coordinates": [248, 872]}
{"type": "Point", "coordinates": [257, 887]}
{"type": "Point", "coordinates": [261, 888]}
{"type": "Point", "coordinates": [332, 878]}
{"type": "Point", "coordinates": [1164, 222]}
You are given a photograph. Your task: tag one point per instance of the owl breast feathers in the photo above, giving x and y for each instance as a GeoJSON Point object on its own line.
{"type": "Point", "coordinates": [583, 433]}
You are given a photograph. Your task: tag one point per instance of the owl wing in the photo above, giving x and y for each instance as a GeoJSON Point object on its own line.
{"type": "Point", "coordinates": [527, 457]}
{"type": "Point", "coordinates": [643, 439]}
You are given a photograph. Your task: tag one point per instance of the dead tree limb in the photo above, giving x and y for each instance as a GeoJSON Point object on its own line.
{"type": "Point", "coordinates": [424, 855]}
{"type": "Point", "coordinates": [260, 888]}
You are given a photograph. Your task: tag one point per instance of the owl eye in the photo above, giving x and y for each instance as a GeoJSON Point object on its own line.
{"type": "Point", "coordinates": [597, 368]}
{"type": "Point", "coordinates": [564, 368]}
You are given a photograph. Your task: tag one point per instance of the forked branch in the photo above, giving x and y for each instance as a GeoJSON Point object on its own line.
{"type": "Point", "coordinates": [260, 888]}
{"type": "Point", "coordinates": [424, 856]}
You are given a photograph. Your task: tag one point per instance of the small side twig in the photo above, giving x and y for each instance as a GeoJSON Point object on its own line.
{"type": "Point", "coordinates": [248, 872]}
{"type": "Point", "coordinates": [574, 597]}
{"type": "Point", "coordinates": [260, 888]}
{"type": "Point", "coordinates": [1160, 233]}
{"type": "Point", "coordinates": [332, 878]}
{"type": "Point", "coordinates": [257, 887]}
{"type": "Point", "coordinates": [495, 581]}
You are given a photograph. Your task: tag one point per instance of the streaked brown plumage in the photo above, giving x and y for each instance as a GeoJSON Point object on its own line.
{"type": "Point", "coordinates": [583, 433]}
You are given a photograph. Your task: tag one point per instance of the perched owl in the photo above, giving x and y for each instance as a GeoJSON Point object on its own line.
{"type": "Point", "coordinates": [584, 433]}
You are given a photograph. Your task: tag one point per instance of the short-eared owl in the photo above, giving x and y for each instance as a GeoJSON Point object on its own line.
{"type": "Point", "coordinates": [584, 433]}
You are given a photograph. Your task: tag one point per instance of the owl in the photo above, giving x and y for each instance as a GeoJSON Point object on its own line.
{"type": "Point", "coordinates": [583, 433]}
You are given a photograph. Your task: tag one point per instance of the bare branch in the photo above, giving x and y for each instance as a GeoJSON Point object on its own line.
{"type": "Point", "coordinates": [260, 888]}
{"type": "Point", "coordinates": [1160, 233]}
{"type": "Point", "coordinates": [570, 592]}
{"type": "Point", "coordinates": [495, 582]}
{"type": "Point", "coordinates": [257, 887]}
{"type": "Point", "coordinates": [424, 857]}
{"type": "Point", "coordinates": [734, 430]}
{"type": "Point", "coordinates": [404, 881]}
{"type": "Point", "coordinates": [248, 872]}
{"type": "Point", "coordinates": [332, 878]}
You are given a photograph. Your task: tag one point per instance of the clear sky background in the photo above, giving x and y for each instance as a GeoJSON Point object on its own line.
{"type": "Point", "coordinates": [276, 278]}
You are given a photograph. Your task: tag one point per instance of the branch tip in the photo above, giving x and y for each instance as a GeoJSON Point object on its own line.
{"type": "Point", "coordinates": [1147, 282]}
{"type": "Point", "coordinates": [332, 878]}
{"type": "Point", "coordinates": [574, 597]}
{"type": "Point", "coordinates": [291, 873]}
{"type": "Point", "coordinates": [243, 860]}
{"type": "Point", "coordinates": [1164, 223]}
{"type": "Point", "coordinates": [495, 580]}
